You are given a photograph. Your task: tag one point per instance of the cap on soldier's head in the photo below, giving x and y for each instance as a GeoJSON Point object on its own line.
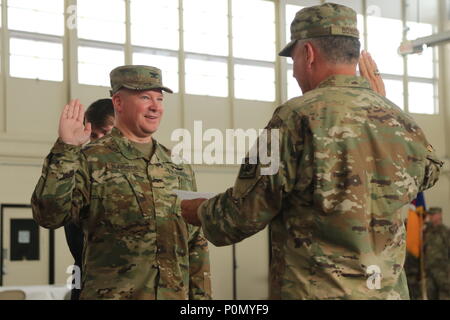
{"type": "Point", "coordinates": [328, 19]}
{"type": "Point", "coordinates": [434, 210]}
{"type": "Point", "coordinates": [136, 78]}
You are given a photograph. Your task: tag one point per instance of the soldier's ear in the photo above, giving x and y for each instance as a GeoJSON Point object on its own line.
{"type": "Point", "coordinates": [310, 54]}
{"type": "Point", "coordinates": [117, 102]}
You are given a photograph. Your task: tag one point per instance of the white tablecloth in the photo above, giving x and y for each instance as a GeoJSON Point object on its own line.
{"type": "Point", "coordinates": [41, 292]}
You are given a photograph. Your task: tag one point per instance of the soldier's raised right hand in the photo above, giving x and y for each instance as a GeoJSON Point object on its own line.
{"type": "Point", "coordinates": [369, 70]}
{"type": "Point", "coordinates": [71, 128]}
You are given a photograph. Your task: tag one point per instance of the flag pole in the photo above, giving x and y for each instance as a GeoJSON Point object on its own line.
{"type": "Point", "coordinates": [423, 280]}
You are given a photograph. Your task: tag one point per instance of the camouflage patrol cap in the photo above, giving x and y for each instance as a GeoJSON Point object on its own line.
{"type": "Point", "coordinates": [136, 78]}
{"type": "Point", "coordinates": [434, 210]}
{"type": "Point", "coordinates": [329, 19]}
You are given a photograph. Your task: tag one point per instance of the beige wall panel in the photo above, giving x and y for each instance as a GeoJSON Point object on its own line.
{"type": "Point", "coordinates": [63, 257]}
{"type": "Point", "coordinates": [439, 195]}
{"type": "Point", "coordinates": [17, 184]}
{"type": "Point", "coordinates": [252, 254]}
{"type": "Point", "coordinates": [253, 114]}
{"type": "Point", "coordinates": [221, 259]}
{"type": "Point", "coordinates": [217, 179]}
{"type": "Point", "coordinates": [25, 147]}
{"type": "Point", "coordinates": [2, 105]}
{"type": "Point", "coordinates": [33, 107]}
{"type": "Point", "coordinates": [213, 111]}
{"type": "Point", "coordinates": [89, 94]}
{"type": "Point", "coordinates": [252, 274]}
{"type": "Point", "coordinates": [433, 126]}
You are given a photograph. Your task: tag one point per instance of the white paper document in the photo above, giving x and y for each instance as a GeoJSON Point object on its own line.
{"type": "Point", "coordinates": [189, 195]}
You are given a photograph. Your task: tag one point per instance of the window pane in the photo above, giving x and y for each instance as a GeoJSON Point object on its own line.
{"type": "Point", "coordinates": [205, 77]}
{"type": "Point", "coordinates": [254, 29]}
{"type": "Point", "coordinates": [420, 65]}
{"type": "Point", "coordinates": [293, 89]}
{"type": "Point", "coordinates": [43, 16]}
{"type": "Point", "coordinates": [167, 64]}
{"type": "Point", "coordinates": [52, 6]}
{"type": "Point", "coordinates": [212, 39]}
{"type": "Point", "coordinates": [102, 20]}
{"type": "Point", "coordinates": [423, 11]}
{"type": "Point", "coordinates": [254, 83]}
{"type": "Point", "coordinates": [385, 30]}
{"type": "Point", "coordinates": [291, 10]}
{"type": "Point", "coordinates": [421, 98]}
{"type": "Point", "coordinates": [161, 31]}
{"type": "Point", "coordinates": [362, 38]}
{"type": "Point", "coordinates": [95, 65]}
{"type": "Point", "coordinates": [385, 36]}
{"type": "Point", "coordinates": [394, 92]}
{"type": "Point", "coordinates": [36, 59]}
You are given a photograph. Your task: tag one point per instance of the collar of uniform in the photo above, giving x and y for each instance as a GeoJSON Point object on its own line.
{"type": "Point", "coordinates": [131, 153]}
{"type": "Point", "coordinates": [344, 81]}
{"type": "Point", "coordinates": [160, 155]}
{"type": "Point", "coordinates": [124, 145]}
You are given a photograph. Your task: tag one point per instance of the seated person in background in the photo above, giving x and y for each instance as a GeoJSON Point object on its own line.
{"type": "Point", "coordinates": [100, 115]}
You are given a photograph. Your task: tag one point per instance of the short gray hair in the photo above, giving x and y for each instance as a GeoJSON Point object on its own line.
{"type": "Point", "coordinates": [337, 49]}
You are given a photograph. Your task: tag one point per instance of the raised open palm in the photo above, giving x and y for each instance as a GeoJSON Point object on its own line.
{"type": "Point", "coordinates": [369, 70]}
{"type": "Point", "coordinates": [71, 128]}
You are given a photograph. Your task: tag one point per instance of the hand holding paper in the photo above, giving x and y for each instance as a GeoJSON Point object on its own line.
{"type": "Point", "coordinates": [190, 195]}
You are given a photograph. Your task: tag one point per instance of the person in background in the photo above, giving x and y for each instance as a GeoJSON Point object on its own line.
{"type": "Point", "coordinates": [436, 253]}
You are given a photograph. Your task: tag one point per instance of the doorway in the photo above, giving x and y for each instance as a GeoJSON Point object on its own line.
{"type": "Point", "coordinates": [27, 250]}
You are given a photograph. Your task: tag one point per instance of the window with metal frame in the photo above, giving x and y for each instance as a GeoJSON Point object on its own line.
{"type": "Point", "coordinates": [101, 39]}
{"type": "Point", "coordinates": [36, 29]}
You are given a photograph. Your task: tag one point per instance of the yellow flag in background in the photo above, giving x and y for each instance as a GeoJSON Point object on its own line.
{"type": "Point", "coordinates": [415, 225]}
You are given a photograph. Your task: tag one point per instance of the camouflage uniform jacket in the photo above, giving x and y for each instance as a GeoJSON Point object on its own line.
{"type": "Point", "coordinates": [137, 246]}
{"type": "Point", "coordinates": [349, 160]}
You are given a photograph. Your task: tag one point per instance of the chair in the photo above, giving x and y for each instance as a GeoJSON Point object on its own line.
{"type": "Point", "coordinates": [12, 295]}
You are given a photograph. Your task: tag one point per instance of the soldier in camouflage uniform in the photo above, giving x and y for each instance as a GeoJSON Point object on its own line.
{"type": "Point", "coordinates": [437, 261]}
{"type": "Point", "coordinates": [412, 271]}
{"type": "Point", "coordinates": [349, 161]}
{"type": "Point", "coordinates": [119, 190]}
